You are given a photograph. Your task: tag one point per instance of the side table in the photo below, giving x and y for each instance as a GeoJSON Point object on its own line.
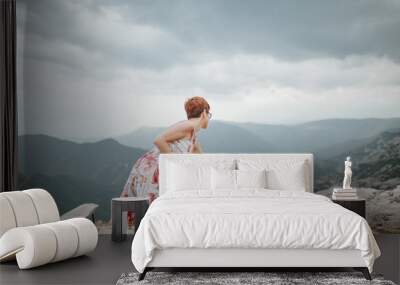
{"type": "Point", "coordinates": [357, 205]}
{"type": "Point", "coordinates": [138, 205]}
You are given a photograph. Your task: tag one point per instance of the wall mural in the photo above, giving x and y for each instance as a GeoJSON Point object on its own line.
{"type": "Point", "coordinates": [98, 81]}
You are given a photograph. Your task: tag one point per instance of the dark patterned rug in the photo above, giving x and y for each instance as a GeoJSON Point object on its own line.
{"type": "Point", "coordinates": [228, 278]}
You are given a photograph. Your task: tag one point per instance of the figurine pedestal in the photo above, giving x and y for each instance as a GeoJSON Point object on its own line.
{"type": "Point", "coordinates": [344, 194]}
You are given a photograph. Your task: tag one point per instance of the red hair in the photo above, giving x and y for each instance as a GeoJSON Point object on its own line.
{"type": "Point", "coordinates": [195, 106]}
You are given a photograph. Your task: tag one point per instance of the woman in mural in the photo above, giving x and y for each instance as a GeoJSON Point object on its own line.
{"type": "Point", "coordinates": [181, 137]}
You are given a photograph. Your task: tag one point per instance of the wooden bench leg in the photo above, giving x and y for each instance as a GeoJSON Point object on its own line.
{"type": "Point", "coordinates": [364, 271]}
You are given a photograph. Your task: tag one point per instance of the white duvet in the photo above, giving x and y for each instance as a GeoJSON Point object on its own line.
{"type": "Point", "coordinates": [252, 218]}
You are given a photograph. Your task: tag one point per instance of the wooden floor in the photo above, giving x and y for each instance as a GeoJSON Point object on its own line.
{"type": "Point", "coordinates": [110, 260]}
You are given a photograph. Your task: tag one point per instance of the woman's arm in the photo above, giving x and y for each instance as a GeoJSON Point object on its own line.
{"type": "Point", "coordinates": [170, 135]}
{"type": "Point", "coordinates": [197, 147]}
{"type": "Point", "coordinates": [162, 145]}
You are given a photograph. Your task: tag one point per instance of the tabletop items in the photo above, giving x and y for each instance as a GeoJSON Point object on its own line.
{"type": "Point", "coordinates": [347, 192]}
{"type": "Point", "coordinates": [344, 194]}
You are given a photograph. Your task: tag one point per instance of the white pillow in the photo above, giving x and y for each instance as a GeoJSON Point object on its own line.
{"type": "Point", "coordinates": [251, 178]}
{"type": "Point", "coordinates": [229, 179]}
{"type": "Point", "coordinates": [282, 174]}
{"type": "Point", "coordinates": [181, 177]}
{"type": "Point", "coordinates": [187, 173]}
{"type": "Point", "coordinates": [223, 179]}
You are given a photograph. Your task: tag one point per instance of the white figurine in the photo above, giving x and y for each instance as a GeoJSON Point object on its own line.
{"type": "Point", "coordinates": [347, 173]}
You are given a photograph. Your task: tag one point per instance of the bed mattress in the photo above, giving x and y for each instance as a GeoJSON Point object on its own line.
{"type": "Point", "coordinates": [250, 219]}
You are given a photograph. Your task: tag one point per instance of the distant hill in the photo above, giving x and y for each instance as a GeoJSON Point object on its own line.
{"type": "Point", "coordinates": [375, 164]}
{"type": "Point", "coordinates": [324, 138]}
{"type": "Point", "coordinates": [75, 172]}
{"type": "Point", "coordinates": [71, 191]}
{"type": "Point", "coordinates": [224, 137]}
{"type": "Point", "coordinates": [142, 137]}
{"type": "Point", "coordinates": [219, 137]}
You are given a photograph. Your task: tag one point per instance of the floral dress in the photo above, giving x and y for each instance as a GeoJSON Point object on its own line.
{"type": "Point", "coordinates": [143, 178]}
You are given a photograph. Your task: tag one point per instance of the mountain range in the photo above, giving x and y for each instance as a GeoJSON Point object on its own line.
{"type": "Point", "coordinates": [324, 138]}
{"type": "Point", "coordinates": [95, 172]}
{"type": "Point", "coordinates": [219, 137]}
{"type": "Point", "coordinates": [376, 164]}
{"type": "Point", "coordinates": [75, 173]}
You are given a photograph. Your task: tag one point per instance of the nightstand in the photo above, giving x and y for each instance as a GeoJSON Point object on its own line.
{"type": "Point", "coordinates": [138, 205]}
{"type": "Point", "coordinates": [357, 205]}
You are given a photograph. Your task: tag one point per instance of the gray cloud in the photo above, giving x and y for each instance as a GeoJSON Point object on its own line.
{"type": "Point", "coordinates": [103, 68]}
{"type": "Point", "coordinates": [162, 33]}
{"type": "Point", "coordinates": [287, 29]}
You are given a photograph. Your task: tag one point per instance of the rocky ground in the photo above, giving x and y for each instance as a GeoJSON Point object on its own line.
{"type": "Point", "coordinates": [382, 206]}
{"type": "Point", "coordinates": [104, 228]}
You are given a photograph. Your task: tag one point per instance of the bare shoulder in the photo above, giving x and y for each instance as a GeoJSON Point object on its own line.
{"type": "Point", "coordinates": [184, 125]}
{"type": "Point", "coordinates": [183, 128]}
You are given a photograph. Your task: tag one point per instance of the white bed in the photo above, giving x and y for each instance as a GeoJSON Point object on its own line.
{"type": "Point", "coordinates": [284, 225]}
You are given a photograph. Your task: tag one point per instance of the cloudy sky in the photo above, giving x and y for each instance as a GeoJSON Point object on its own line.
{"type": "Point", "coordinates": [92, 69]}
